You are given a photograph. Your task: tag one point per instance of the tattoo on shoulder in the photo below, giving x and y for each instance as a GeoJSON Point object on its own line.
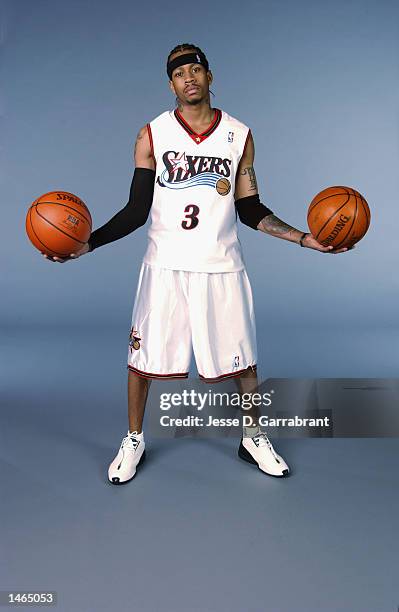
{"type": "Point", "coordinates": [139, 137]}
{"type": "Point", "coordinates": [250, 172]}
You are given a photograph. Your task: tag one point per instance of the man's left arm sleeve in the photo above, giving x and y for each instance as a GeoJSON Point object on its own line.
{"type": "Point", "coordinates": [251, 210]}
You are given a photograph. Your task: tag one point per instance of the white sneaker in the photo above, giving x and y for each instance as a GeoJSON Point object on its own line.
{"type": "Point", "coordinates": [259, 450]}
{"type": "Point", "coordinates": [130, 455]}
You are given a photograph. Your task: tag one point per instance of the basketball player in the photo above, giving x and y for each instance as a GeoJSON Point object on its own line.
{"type": "Point", "coordinates": [194, 172]}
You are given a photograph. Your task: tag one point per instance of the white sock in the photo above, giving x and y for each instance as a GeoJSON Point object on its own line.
{"type": "Point", "coordinates": [139, 436]}
{"type": "Point", "coordinates": [251, 432]}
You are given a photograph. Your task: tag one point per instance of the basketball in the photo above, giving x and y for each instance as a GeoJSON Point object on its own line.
{"type": "Point", "coordinates": [58, 223]}
{"type": "Point", "coordinates": [338, 216]}
{"type": "Point", "coordinates": [223, 186]}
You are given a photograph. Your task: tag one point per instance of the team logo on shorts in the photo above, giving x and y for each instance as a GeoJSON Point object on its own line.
{"type": "Point", "coordinates": [134, 340]}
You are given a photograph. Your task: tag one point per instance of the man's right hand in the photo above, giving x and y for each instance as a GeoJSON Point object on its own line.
{"type": "Point", "coordinates": [82, 251]}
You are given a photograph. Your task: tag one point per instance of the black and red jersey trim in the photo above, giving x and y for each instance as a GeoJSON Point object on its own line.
{"type": "Point", "coordinates": [152, 375]}
{"type": "Point", "coordinates": [151, 141]}
{"type": "Point", "coordinates": [228, 375]}
{"type": "Point", "coordinates": [198, 138]}
{"type": "Point", "coordinates": [246, 141]}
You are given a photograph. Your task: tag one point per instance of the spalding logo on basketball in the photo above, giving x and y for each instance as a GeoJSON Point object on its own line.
{"type": "Point", "coordinates": [338, 216]}
{"type": "Point", "coordinates": [58, 223]}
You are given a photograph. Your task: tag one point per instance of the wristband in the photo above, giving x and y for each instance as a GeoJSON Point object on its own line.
{"type": "Point", "coordinates": [301, 238]}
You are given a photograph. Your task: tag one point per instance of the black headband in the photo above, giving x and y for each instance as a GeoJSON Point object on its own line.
{"type": "Point", "coordinates": [187, 58]}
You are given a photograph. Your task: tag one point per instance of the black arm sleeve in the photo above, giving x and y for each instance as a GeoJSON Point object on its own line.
{"type": "Point", "coordinates": [133, 215]}
{"type": "Point", "coordinates": [251, 210]}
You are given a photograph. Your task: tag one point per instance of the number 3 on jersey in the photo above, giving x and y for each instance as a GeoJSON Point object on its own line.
{"type": "Point", "coordinates": [191, 221]}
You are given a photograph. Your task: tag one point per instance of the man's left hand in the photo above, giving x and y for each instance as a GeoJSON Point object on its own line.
{"type": "Point", "coordinates": [310, 242]}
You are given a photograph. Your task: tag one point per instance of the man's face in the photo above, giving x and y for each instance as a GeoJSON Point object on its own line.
{"type": "Point", "coordinates": [190, 82]}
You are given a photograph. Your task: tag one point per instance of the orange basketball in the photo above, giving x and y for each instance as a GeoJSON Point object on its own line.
{"type": "Point", "coordinates": [58, 223]}
{"type": "Point", "coordinates": [338, 216]}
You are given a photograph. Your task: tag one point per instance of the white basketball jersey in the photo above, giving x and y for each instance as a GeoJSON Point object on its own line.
{"type": "Point", "coordinates": [193, 218]}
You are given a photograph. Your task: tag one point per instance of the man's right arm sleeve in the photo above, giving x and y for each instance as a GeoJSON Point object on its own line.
{"type": "Point", "coordinates": [133, 215]}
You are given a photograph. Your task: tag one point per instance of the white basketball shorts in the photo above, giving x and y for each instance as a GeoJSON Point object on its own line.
{"type": "Point", "coordinates": [176, 311]}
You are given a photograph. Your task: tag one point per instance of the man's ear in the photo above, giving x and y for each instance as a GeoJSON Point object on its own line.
{"type": "Point", "coordinates": [172, 87]}
{"type": "Point", "coordinates": [210, 77]}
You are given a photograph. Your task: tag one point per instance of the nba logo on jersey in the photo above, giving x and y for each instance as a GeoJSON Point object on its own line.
{"type": "Point", "coordinates": [236, 361]}
{"type": "Point", "coordinates": [230, 137]}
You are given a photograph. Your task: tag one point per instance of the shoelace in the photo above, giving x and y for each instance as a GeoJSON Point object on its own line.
{"type": "Point", "coordinates": [130, 441]}
{"type": "Point", "coordinates": [261, 439]}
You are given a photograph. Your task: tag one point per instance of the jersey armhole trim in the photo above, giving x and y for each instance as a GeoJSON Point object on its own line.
{"type": "Point", "coordinates": [151, 141]}
{"type": "Point", "coordinates": [246, 141]}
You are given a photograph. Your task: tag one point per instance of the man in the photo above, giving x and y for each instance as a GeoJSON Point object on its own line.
{"type": "Point", "coordinates": [194, 171]}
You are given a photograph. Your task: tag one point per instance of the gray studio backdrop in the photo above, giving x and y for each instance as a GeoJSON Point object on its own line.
{"type": "Point", "coordinates": [317, 82]}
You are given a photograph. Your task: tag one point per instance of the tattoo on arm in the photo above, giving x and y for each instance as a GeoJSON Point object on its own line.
{"type": "Point", "coordinates": [250, 172]}
{"type": "Point", "coordinates": [139, 137]}
{"type": "Point", "coordinates": [275, 226]}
